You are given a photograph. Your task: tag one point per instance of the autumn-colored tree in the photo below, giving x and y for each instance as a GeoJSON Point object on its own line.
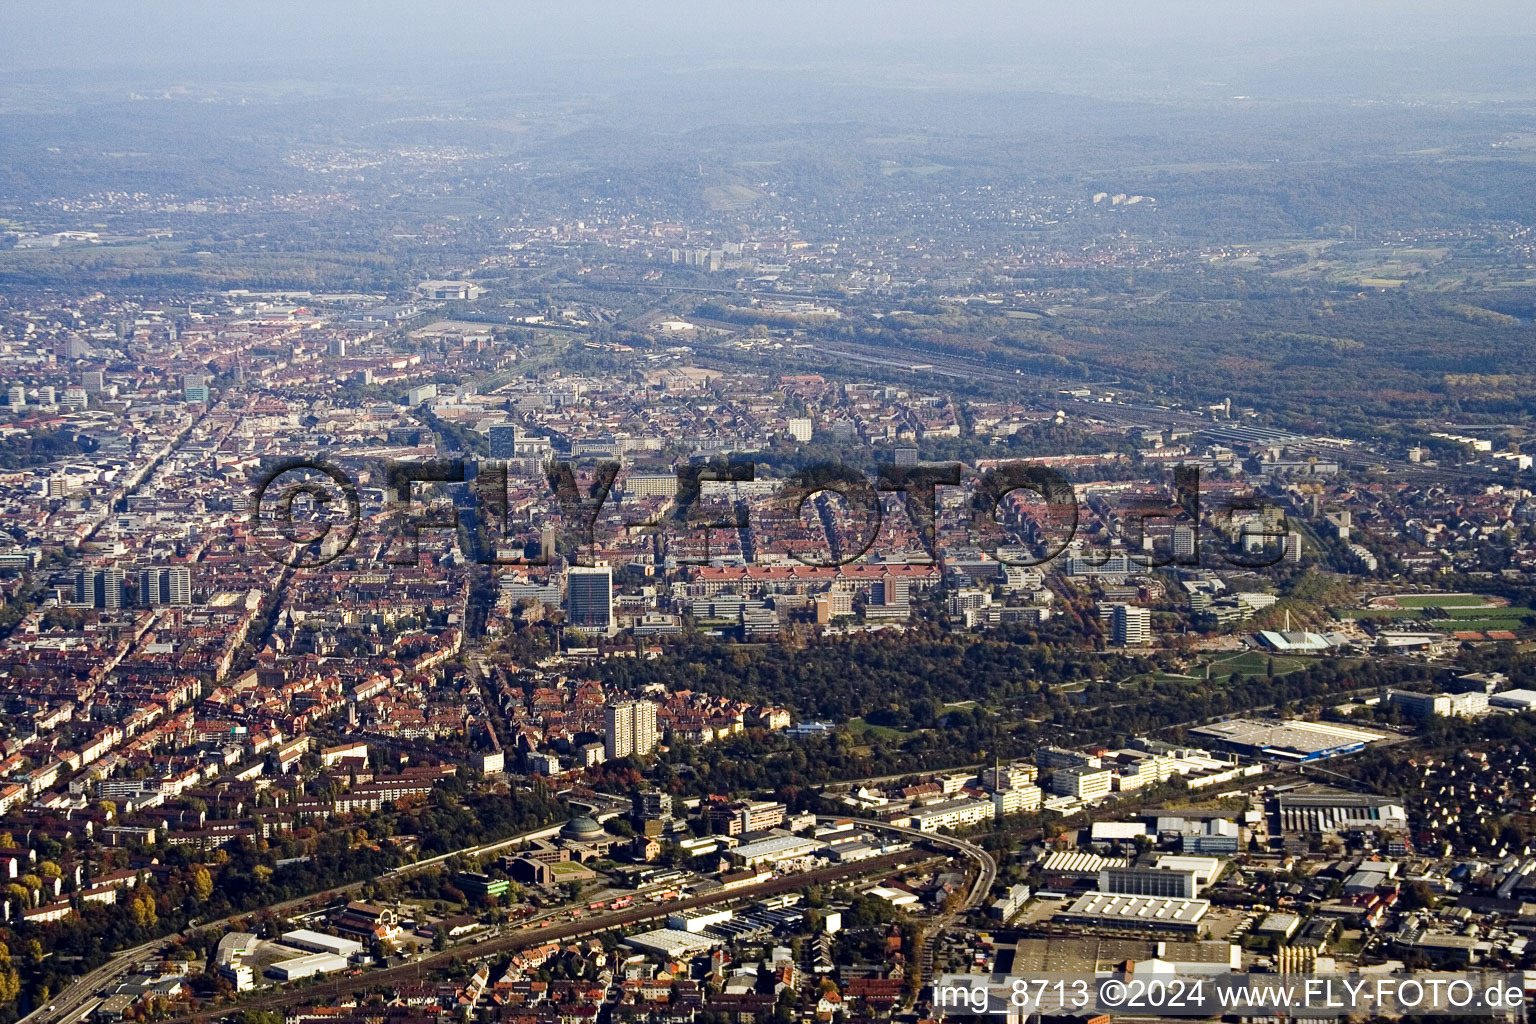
{"type": "Point", "coordinates": [202, 883]}
{"type": "Point", "coordinates": [10, 981]}
{"type": "Point", "coordinates": [143, 909]}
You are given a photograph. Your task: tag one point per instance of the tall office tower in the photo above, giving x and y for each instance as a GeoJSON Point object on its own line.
{"type": "Point", "coordinates": [889, 598]}
{"type": "Point", "coordinates": [16, 397]}
{"type": "Point", "coordinates": [547, 542]}
{"type": "Point", "coordinates": [589, 599]}
{"type": "Point", "coordinates": [1184, 544]}
{"type": "Point", "coordinates": [1133, 626]}
{"type": "Point", "coordinates": [1293, 547]}
{"type": "Point", "coordinates": [906, 457]}
{"type": "Point", "coordinates": [504, 441]}
{"type": "Point", "coordinates": [194, 388]}
{"type": "Point", "coordinates": [338, 347]}
{"type": "Point", "coordinates": [629, 727]}
{"type": "Point", "coordinates": [94, 381]}
{"type": "Point", "coordinates": [46, 395]}
{"type": "Point", "coordinates": [99, 588]}
{"type": "Point", "coordinates": [172, 585]}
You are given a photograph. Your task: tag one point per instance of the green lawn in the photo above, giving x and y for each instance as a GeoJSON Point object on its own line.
{"type": "Point", "coordinates": [859, 727]}
{"type": "Point", "coordinates": [1255, 663]}
{"type": "Point", "coordinates": [1480, 624]}
{"type": "Point", "coordinates": [1514, 612]}
{"type": "Point", "coordinates": [1455, 619]}
{"type": "Point", "coordinates": [1441, 600]}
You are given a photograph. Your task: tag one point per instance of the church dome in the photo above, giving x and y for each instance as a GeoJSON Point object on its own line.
{"type": "Point", "coordinates": [581, 827]}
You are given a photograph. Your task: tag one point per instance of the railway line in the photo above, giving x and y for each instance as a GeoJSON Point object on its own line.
{"type": "Point", "coordinates": [1359, 455]}
{"type": "Point", "coordinates": [66, 1008]}
{"type": "Point", "coordinates": [529, 936]}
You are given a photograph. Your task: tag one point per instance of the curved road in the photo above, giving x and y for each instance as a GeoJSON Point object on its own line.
{"type": "Point", "coordinates": [980, 886]}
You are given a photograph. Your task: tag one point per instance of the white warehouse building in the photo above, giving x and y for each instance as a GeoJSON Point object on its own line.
{"type": "Point", "coordinates": [319, 942]}
{"type": "Point", "coordinates": [307, 966]}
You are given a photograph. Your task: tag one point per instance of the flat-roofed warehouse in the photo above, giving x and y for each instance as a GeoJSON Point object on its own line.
{"type": "Point", "coordinates": [319, 942]}
{"type": "Point", "coordinates": [1143, 913]}
{"type": "Point", "coordinates": [1097, 955]}
{"type": "Point", "coordinates": [1520, 700]}
{"type": "Point", "coordinates": [778, 846]}
{"type": "Point", "coordinates": [670, 942]}
{"type": "Point", "coordinates": [307, 966]}
{"type": "Point", "coordinates": [1088, 955]}
{"type": "Point", "coordinates": [1294, 741]}
{"type": "Point", "coordinates": [1329, 810]}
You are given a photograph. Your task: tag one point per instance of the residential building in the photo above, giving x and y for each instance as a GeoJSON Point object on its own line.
{"type": "Point", "coordinates": [629, 728]}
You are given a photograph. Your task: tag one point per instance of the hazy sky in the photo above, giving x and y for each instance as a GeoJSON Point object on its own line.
{"type": "Point", "coordinates": [59, 34]}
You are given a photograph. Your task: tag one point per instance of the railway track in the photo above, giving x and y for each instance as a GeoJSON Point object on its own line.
{"type": "Point", "coordinates": [336, 988]}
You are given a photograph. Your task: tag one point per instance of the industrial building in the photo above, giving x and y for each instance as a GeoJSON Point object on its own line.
{"type": "Point", "coordinates": [1149, 882]}
{"type": "Point", "coordinates": [307, 966]}
{"type": "Point", "coordinates": [778, 846]}
{"type": "Point", "coordinates": [1205, 869]}
{"type": "Point", "coordinates": [1294, 741]}
{"type": "Point", "coordinates": [1322, 810]}
{"type": "Point", "coordinates": [697, 919]}
{"type": "Point", "coordinates": [1217, 836]}
{"type": "Point", "coordinates": [1079, 866]}
{"type": "Point", "coordinates": [1143, 913]}
{"type": "Point", "coordinates": [670, 942]}
{"type": "Point", "coordinates": [319, 942]}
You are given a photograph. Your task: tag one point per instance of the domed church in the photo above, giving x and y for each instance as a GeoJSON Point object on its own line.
{"type": "Point", "coordinates": [586, 839]}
